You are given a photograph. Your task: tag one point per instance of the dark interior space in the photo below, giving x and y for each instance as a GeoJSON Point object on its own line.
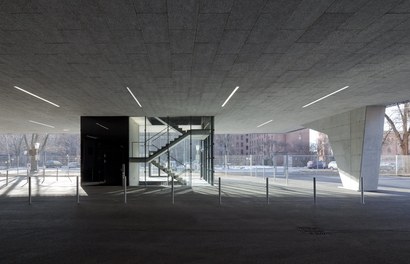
{"type": "Point", "coordinates": [104, 149]}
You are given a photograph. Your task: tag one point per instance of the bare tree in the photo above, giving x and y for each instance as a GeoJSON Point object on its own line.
{"type": "Point", "coordinates": [11, 144]}
{"type": "Point", "coordinates": [33, 151]}
{"type": "Point", "coordinates": [398, 122]}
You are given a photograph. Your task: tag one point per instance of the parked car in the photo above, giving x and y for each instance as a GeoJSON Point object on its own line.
{"type": "Point", "coordinates": [317, 164]}
{"type": "Point", "coordinates": [74, 164]}
{"type": "Point", "coordinates": [53, 164]}
{"type": "Point", "coordinates": [385, 166]}
{"type": "Point", "coordinates": [332, 165]}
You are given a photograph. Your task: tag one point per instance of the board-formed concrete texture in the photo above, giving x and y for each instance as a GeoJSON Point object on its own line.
{"type": "Point", "coordinates": [184, 57]}
{"type": "Point", "coordinates": [356, 138]}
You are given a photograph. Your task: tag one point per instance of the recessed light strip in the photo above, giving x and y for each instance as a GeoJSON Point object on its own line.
{"type": "Point", "coordinates": [41, 124]}
{"type": "Point", "coordinates": [98, 124]}
{"type": "Point", "coordinates": [267, 122]}
{"type": "Point", "coordinates": [326, 96]}
{"type": "Point", "coordinates": [36, 96]}
{"type": "Point", "coordinates": [133, 96]}
{"type": "Point", "coordinates": [229, 97]}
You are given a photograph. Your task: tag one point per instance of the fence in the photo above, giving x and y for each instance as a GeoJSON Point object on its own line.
{"type": "Point", "coordinates": [54, 165]}
{"type": "Point", "coordinates": [251, 164]}
{"type": "Point", "coordinates": [395, 164]}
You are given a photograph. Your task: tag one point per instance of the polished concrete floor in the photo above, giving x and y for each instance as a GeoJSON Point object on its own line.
{"type": "Point", "coordinates": [196, 229]}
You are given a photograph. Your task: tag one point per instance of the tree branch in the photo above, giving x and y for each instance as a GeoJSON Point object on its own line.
{"type": "Point", "coordinates": [393, 127]}
{"type": "Point", "coordinates": [385, 137]}
{"type": "Point", "coordinates": [401, 112]}
{"type": "Point", "coordinates": [25, 140]}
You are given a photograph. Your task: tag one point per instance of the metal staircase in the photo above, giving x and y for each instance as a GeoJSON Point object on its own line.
{"type": "Point", "coordinates": [157, 147]}
{"type": "Point", "coordinates": [169, 144]}
{"type": "Point", "coordinates": [153, 155]}
{"type": "Point", "coordinates": [170, 173]}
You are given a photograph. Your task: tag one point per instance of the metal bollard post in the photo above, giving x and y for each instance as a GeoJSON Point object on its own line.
{"type": "Point", "coordinates": [29, 190]}
{"type": "Point", "coordinates": [125, 188]}
{"type": "Point", "coordinates": [172, 191]}
{"type": "Point", "coordinates": [219, 190]}
{"type": "Point", "coordinates": [7, 177]}
{"type": "Point", "coordinates": [267, 190]}
{"type": "Point", "coordinates": [274, 173]}
{"type": "Point", "coordinates": [124, 183]}
{"type": "Point", "coordinates": [44, 171]}
{"type": "Point", "coordinates": [78, 189]}
{"type": "Point", "coordinates": [314, 190]}
{"type": "Point", "coordinates": [287, 175]}
{"type": "Point", "coordinates": [362, 189]}
{"type": "Point", "coordinates": [57, 174]}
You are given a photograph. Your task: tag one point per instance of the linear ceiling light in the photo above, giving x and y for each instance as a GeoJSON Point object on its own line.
{"type": "Point", "coordinates": [133, 96]}
{"type": "Point", "coordinates": [98, 124]}
{"type": "Point", "coordinates": [229, 97]}
{"type": "Point", "coordinates": [36, 96]}
{"type": "Point", "coordinates": [41, 124]}
{"type": "Point", "coordinates": [267, 122]}
{"type": "Point", "coordinates": [326, 96]}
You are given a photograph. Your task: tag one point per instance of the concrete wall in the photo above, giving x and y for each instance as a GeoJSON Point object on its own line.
{"type": "Point", "coordinates": [133, 166]}
{"type": "Point", "coordinates": [356, 139]}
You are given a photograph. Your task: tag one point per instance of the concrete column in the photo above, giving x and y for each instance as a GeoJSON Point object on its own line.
{"type": "Point", "coordinates": [356, 140]}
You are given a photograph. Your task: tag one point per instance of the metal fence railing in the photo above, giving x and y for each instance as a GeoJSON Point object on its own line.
{"type": "Point", "coordinates": [395, 164]}
{"type": "Point", "coordinates": [251, 164]}
{"type": "Point", "coordinates": [52, 165]}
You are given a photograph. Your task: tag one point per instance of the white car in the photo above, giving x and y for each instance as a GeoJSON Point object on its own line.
{"type": "Point", "coordinates": [332, 165]}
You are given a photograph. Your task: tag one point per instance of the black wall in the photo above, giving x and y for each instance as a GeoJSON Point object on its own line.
{"type": "Point", "coordinates": [104, 150]}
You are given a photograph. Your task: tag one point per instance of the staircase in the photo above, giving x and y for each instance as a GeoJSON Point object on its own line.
{"type": "Point", "coordinates": [175, 127]}
{"type": "Point", "coordinates": [170, 145]}
{"type": "Point", "coordinates": [199, 134]}
{"type": "Point", "coordinates": [170, 172]}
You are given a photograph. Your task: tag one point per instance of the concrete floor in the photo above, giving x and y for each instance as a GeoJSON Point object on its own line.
{"type": "Point", "coordinates": [243, 229]}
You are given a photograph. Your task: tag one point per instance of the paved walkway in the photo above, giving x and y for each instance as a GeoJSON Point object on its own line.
{"type": "Point", "coordinates": [196, 229]}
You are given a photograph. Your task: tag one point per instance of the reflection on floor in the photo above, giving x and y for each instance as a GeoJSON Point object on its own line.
{"type": "Point", "coordinates": [196, 229]}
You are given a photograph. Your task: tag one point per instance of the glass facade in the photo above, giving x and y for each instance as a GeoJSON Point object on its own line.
{"type": "Point", "coordinates": [171, 150]}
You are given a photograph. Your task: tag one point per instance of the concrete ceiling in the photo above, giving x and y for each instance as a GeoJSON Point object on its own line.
{"type": "Point", "coordinates": [184, 57]}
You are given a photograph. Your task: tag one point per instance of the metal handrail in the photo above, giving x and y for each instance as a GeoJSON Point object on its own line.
{"type": "Point", "coordinates": [155, 135]}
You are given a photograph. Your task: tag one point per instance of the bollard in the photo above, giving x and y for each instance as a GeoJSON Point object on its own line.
{"type": "Point", "coordinates": [274, 173]}
{"type": "Point", "coordinates": [267, 190]}
{"type": "Point", "coordinates": [219, 190]}
{"type": "Point", "coordinates": [125, 189]}
{"type": "Point", "coordinates": [78, 189]}
{"type": "Point", "coordinates": [362, 189]}
{"type": "Point", "coordinates": [44, 171]}
{"type": "Point", "coordinates": [287, 175]}
{"type": "Point", "coordinates": [29, 190]}
{"type": "Point", "coordinates": [314, 190]}
{"type": "Point", "coordinates": [57, 174]}
{"type": "Point", "coordinates": [7, 177]}
{"type": "Point", "coordinates": [172, 191]}
{"type": "Point", "coordinates": [124, 182]}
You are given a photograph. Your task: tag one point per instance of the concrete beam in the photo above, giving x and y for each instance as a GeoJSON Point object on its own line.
{"type": "Point", "coordinates": [356, 140]}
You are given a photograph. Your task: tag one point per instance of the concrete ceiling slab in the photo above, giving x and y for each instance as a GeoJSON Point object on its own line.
{"type": "Point", "coordinates": [185, 58]}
